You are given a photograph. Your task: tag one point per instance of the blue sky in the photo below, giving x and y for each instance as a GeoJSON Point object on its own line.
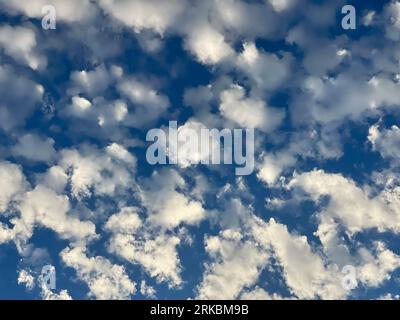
{"type": "Point", "coordinates": [76, 189]}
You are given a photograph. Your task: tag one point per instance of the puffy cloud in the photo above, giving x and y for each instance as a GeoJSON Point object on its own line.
{"type": "Point", "coordinates": [47, 294]}
{"type": "Point", "coordinates": [259, 294]}
{"type": "Point", "coordinates": [389, 296]}
{"type": "Point", "coordinates": [166, 206]}
{"type": "Point", "coordinates": [327, 80]}
{"type": "Point", "coordinates": [26, 278]}
{"type": "Point", "coordinates": [148, 103]}
{"type": "Point", "coordinates": [248, 112]}
{"type": "Point", "coordinates": [55, 178]}
{"type": "Point", "coordinates": [132, 241]}
{"type": "Point", "coordinates": [208, 45]}
{"type": "Point", "coordinates": [92, 83]}
{"type": "Point", "coordinates": [345, 96]}
{"type": "Point", "coordinates": [377, 268]}
{"type": "Point", "coordinates": [105, 280]}
{"type": "Point", "coordinates": [22, 47]}
{"type": "Point", "coordinates": [12, 183]}
{"type": "Point", "coordinates": [265, 69]}
{"type": "Point", "coordinates": [392, 18]}
{"type": "Point", "coordinates": [304, 269]}
{"type": "Point", "coordinates": [237, 18]}
{"type": "Point", "coordinates": [44, 207]}
{"type": "Point", "coordinates": [97, 172]}
{"type": "Point", "coordinates": [35, 148]}
{"type": "Point", "coordinates": [146, 290]}
{"type": "Point", "coordinates": [19, 95]}
{"type": "Point", "coordinates": [145, 14]}
{"type": "Point", "coordinates": [66, 11]}
{"type": "Point", "coordinates": [373, 265]}
{"type": "Point", "coordinates": [351, 204]}
{"type": "Point", "coordinates": [236, 264]}
{"type": "Point", "coordinates": [126, 221]}
{"type": "Point", "coordinates": [386, 141]}
{"type": "Point", "coordinates": [100, 112]}
{"type": "Point", "coordinates": [273, 165]}
{"type": "Point", "coordinates": [281, 5]}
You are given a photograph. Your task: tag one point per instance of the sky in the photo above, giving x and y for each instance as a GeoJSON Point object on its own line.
{"type": "Point", "coordinates": [317, 218]}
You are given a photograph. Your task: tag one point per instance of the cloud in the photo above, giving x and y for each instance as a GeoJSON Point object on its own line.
{"type": "Point", "coordinates": [47, 294]}
{"type": "Point", "coordinates": [106, 281]}
{"type": "Point", "coordinates": [156, 252]}
{"type": "Point", "coordinates": [259, 294]}
{"type": "Point", "coordinates": [266, 70]}
{"type": "Point", "coordinates": [23, 46]}
{"type": "Point", "coordinates": [93, 83]}
{"type": "Point", "coordinates": [304, 269]}
{"type": "Point", "coordinates": [44, 207]}
{"type": "Point", "coordinates": [157, 15]}
{"type": "Point", "coordinates": [273, 165]}
{"type": "Point", "coordinates": [236, 264]}
{"type": "Point", "coordinates": [166, 206]}
{"type": "Point", "coordinates": [386, 141]}
{"type": "Point", "coordinates": [345, 96]}
{"type": "Point", "coordinates": [25, 278]}
{"type": "Point", "coordinates": [146, 290]}
{"type": "Point", "coordinates": [281, 5]}
{"type": "Point", "coordinates": [248, 112]}
{"type": "Point", "coordinates": [208, 45]}
{"type": "Point", "coordinates": [392, 16]}
{"type": "Point", "coordinates": [66, 11]}
{"type": "Point", "coordinates": [12, 183]}
{"type": "Point", "coordinates": [35, 148]}
{"type": "Point", "coordinates": [93, 171]}
{"type": "Point", "coordinates": [380, 212]}
{"type": "Point", "coordinates": [148, 103]}
{"type": "Point", "coordinates": [19, 97]}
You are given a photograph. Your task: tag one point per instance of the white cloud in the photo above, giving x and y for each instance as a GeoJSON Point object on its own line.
{"type": "Point", "coordinates": [351, 204]}
{"type": "Point", "coordinates": [377, 268]}
{"type": "Point", "coordinates": [12, 183]}
{"type": "Point", "coordinates": [156, 253]}
{"type": "Point", "coordinates": [267, 70]}
{"type": "Point", "coordinates": [273, 165]}
{"type": "Point", "coordinates": [148, 103]}
{"type": "Point", "coordinates": [105, 280]}
{"type": "Point", "coordinates": [92, 83]}
{"type": "Point", "coordinates": [66, 10]}
{"type": "Point", "coordinates": [35, 148]}
{"type": "Point", "coordinates": [47, 294]}
{"type": "Point", "coordinates": [208, 45]}
{"type": "Point", "coordinates": [44, 207]}
{"type": "Point", "coordinates": [22, 47]}
{"type": "Point", "coordinates": [281, 5]}
{"type": "Point", "coordinates": [146, 290]}
{"type": "Point", "coordinates": [26, 278]}
{"type": "Point", "coordinates": [97, 172]}
{"type": "Point", "coordinates": [386, 141]}
{"type": "Point", "coordinates": [157, 15]}
{"type": "Point", "coordinates": [304, 270]}
{"type": "Point", "coordinates": [248, 112]}
{"type": "Point", "coordinates": [126, 221]}
{"type": "Point", "coordinates": [18, 97]}
{"type": "Point", "coordinates": [345, 96]}
{"type": "Point", "coordinates": [392, 19]}
{"type": "Point", "coordinates": [259, 294]}
{"type": "Point", "coordinates": [100, 112]}
{"type": "Point", "coordinates": [236, 264]}
{"type": "Point", "coordinates": [166, 206]}
{"type": "Point", "coordinates": [55, 178]}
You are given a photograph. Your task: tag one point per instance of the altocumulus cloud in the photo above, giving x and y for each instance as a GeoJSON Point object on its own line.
{"type": "Point", "coordinates": [77, 192]}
